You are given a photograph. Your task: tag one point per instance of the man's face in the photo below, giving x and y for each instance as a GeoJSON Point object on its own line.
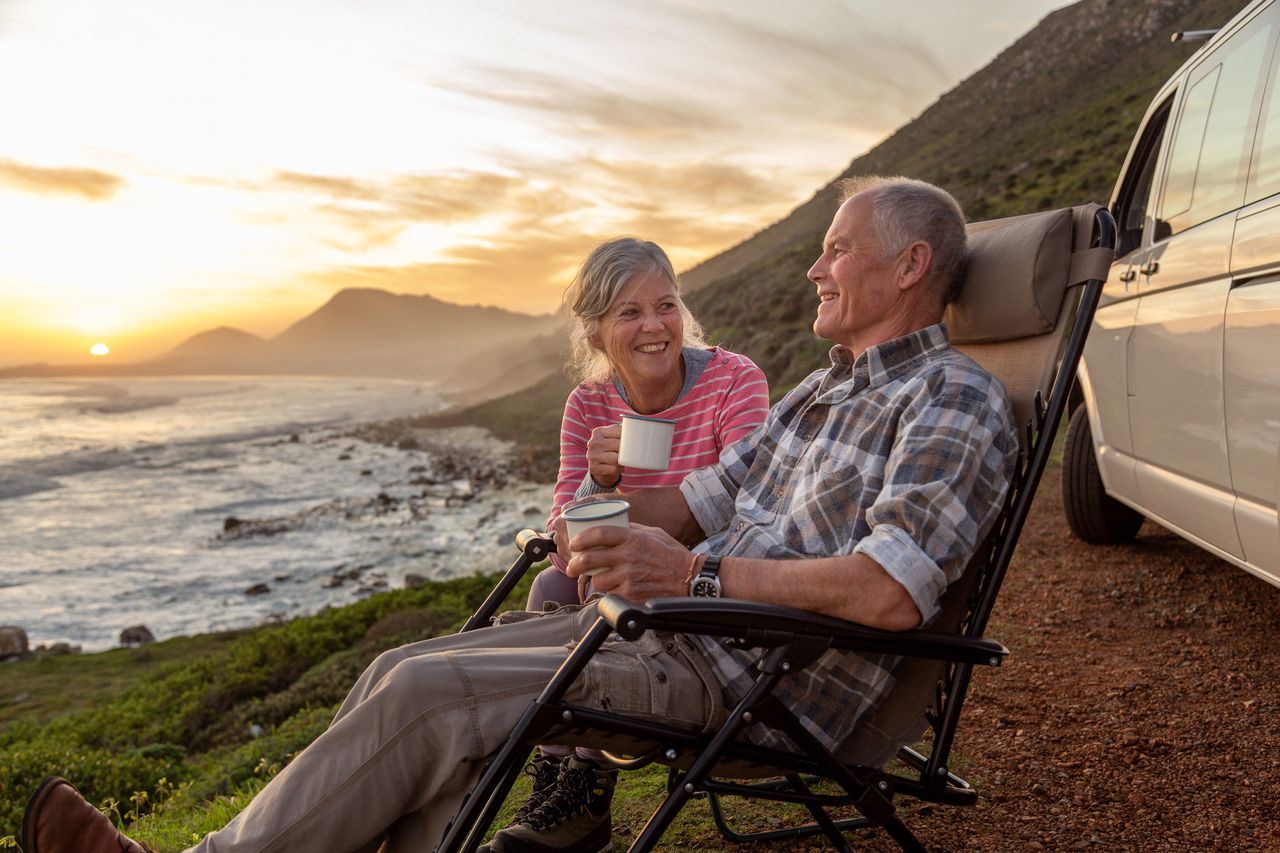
{"type": "Point", "coordinates": [857, 287]}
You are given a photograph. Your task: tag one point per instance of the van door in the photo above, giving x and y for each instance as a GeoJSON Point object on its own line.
{"type": "Point", "coordinates": [1176, 403]}
{"type": "Point", "coordinates": [1104, 370]}
{"type": "Point", "coordinates": [1251, 348]}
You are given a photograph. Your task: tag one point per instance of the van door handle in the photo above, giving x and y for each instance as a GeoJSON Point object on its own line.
{"type": "Point", "coordinates": [1150, 268]}
{"type": "Point", "coordinates": [1128, 276]}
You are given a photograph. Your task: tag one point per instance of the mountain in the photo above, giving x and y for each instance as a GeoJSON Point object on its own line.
{"type": "Point", "coordinates": [1046, 124]}
{"type": "Point", "coordinates": [365, 332]}
{"type": "Point", "coordinates": [220, 350]}
{"type": "Point", "coordinates": [361, 330]}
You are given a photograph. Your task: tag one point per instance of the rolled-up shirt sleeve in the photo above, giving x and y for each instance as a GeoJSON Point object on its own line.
{"type": "Point", "coordinates": [944, 485]}
{"type": "Point", "coordinates": [711, 492]}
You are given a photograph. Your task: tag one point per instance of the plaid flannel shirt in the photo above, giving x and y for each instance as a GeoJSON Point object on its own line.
{"type": "Point", "coordinates": [903, 454]}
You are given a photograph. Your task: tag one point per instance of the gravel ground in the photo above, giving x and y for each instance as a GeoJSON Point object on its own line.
{"type": "Point", "coordinates": [1139, 709]}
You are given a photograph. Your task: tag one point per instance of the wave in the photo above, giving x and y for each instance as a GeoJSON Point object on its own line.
{"type": "Point", "coordinates": [42, 474]}
{"type": "Point", "coordinates": [16, 485]}
{"type": "Point", "coordinates": [125, 404]}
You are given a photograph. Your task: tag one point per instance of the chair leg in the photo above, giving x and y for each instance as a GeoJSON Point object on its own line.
{"type": "Point", "coordinates": [486, 798]}
{"type": "Point", "coordinates": [706, 760]}
{"type": "Point", "coordinates": [821, 817]}
{"type": "Point", "coordinates": [807, 830]}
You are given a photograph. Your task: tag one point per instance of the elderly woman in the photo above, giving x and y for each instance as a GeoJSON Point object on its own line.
{"type": "Point", "coordinates": [636, 349]}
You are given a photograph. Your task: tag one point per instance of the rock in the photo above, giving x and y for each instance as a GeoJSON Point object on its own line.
{"type": "Point", "coordinates": [13, 642]}
{"type": "Point", "coordinates": [366, 472]}
{"type": "Point", "coordinates": [294, 438]}
{"type": "Point", "coordinates": [413, 580]}
{"type": "Point", "coordinates": [408, 443]}
{"type": "Point", "coordinates": [137, 635]}
{"type": "Point", "coordinates": [58, 649]}
{"type": "Point", "coordinates": [231, 523]}
{"type": "Point", "coordinates": [258, 589]}
{"type": "Point", "coordinates": [343, 457]}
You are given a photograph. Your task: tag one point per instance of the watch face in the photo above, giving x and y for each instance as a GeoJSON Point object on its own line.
{"type": "Point", "coordinates": [706, 588]}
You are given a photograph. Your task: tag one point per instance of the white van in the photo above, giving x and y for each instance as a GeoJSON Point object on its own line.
{"type": "Point", "coordinates": [1178, 406]}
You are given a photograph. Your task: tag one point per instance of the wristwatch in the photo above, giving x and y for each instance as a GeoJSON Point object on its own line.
{"type": "Point", "coordinates": [707, 582]}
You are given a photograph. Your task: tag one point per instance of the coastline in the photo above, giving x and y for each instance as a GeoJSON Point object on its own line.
{"type": "Point", "coordinates": [410, 502]}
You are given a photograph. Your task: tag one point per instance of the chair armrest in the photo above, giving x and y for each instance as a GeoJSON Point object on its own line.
{"type": "Point", "coordinates": [534, 546]}
{"type": "Point", "coordinates": [760, 624]}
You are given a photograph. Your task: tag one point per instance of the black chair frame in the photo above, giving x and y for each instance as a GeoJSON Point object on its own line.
{"type": "Point", "coordinates": [790, 640]}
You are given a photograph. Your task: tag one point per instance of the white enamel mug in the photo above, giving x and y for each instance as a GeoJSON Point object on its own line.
{"type": "Point", "coordinates": [646, 442]}
{"type": "Point", "coordinates": [587, 514]}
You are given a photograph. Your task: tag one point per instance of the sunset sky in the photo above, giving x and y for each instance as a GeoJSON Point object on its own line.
{"type": "Point", "coordinates": [170, 166]}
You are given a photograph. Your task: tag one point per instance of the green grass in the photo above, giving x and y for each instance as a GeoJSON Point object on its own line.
{"type": "Point", "coordinates": [168, 725]}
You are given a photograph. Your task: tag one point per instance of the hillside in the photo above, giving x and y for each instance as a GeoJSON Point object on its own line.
{"type": "Point", "coordinates": [1046, 124]}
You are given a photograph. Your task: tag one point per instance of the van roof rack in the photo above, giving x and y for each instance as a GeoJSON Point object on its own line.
{"type": "Point", "coordinates": [1192, 35]}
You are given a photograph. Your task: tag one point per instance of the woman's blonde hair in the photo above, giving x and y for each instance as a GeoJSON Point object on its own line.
{"type": "Point", "coordinates": [598, 282]}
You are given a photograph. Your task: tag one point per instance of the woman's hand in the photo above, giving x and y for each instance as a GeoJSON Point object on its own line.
{"type": "Point", "coordinates": [602, 455]}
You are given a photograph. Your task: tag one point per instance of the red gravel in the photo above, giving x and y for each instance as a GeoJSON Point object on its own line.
{"type": "Point", "coordinates": [1139, 709]}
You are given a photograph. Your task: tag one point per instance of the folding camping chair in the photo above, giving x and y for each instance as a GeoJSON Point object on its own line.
{"type": "Point", "coordinates": [1032, 282]}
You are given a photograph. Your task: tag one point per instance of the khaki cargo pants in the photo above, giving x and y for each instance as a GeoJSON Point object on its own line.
{"type": "Point", "coordinates": [413, 736]}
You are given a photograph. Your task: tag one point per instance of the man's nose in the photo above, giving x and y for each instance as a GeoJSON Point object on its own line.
{"type": "Point", "coordinates": [816, 272]}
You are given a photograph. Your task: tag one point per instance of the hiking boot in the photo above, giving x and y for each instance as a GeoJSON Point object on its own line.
{"type": "Point", "coordinates": [60, 820]}
{"type": "Point", "coordinates": [545, 770]}
{"type": "Point", "coordinates": [574, 818]}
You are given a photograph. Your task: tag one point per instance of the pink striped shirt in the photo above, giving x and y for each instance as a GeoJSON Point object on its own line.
{"type": "Point", "coordinates": [726, 403]}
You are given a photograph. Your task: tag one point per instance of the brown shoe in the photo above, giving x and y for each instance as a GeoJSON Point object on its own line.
{"type": "Point", "coordinates": [59, 820]}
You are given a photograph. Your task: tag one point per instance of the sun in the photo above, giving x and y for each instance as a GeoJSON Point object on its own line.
{"type": "Point", "coordinates": [99, 349]}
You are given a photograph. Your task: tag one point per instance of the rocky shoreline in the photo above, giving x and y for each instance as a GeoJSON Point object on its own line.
{"type": "Point", "coordinates": [438, 502]}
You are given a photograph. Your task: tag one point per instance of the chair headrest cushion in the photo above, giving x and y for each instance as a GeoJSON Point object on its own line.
{"type": "Point", "coordinates": [1019, 270]}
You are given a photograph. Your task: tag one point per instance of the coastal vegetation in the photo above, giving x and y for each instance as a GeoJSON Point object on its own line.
{"type": "Point", "coordinates": [184, 731]}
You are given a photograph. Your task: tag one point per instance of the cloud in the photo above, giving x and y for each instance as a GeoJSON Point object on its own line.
{"type": "Point", "coordinates": [43, 180]}
{"type": "Point", "coordinates": [442, 198]}
{"type": "Point", "coordinates": [375, 212]}
{"type": "Point", "coordinates": [583, 108]}
{"type": "Point", "coordinates": [524, 272]}
{"type": "Point", "coordinates": [545, 216]}
{"type": "Point", "coordinates": [827, 64]}
{"type": "Point", "coordinates": [724, 187]}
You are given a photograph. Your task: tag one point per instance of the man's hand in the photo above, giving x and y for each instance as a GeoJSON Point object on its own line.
{"type": "Point", "coordinates": [602, 455]}
{"type": "Point", "coordinates": [640, 562]}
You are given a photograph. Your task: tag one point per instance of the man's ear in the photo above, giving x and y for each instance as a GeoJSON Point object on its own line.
{"type": "Point", "coordinates": [913, 264]}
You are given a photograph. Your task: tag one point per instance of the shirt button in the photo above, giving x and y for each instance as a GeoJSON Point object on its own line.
{"type": "Point", "coordinates": [738, 527]}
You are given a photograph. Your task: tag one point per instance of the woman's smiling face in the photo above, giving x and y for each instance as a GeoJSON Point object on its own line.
{"type": "Point", "coordinates": [642, 333]}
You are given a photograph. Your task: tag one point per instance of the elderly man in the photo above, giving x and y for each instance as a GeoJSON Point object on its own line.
{"type": "Point", "coordinates": [862, 497]}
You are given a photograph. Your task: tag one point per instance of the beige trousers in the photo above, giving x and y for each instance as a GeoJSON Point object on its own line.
{"type": "Point", "coordinates": [414, 734]}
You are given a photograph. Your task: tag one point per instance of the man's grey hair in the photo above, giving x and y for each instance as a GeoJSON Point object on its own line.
{"type": "Point", "coordinates": [906, 210]}
{"type": "Point", "coordinates": [599, 281]}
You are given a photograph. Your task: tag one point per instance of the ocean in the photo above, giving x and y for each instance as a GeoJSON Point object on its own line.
{"type": "Point", "coordinates": [194, 504]}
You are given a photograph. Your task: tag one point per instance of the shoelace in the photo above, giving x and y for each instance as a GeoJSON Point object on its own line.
{"type": "Point", "coordinates": [545, 771]}
{"type": "Point", "coordinates": [569, 798]}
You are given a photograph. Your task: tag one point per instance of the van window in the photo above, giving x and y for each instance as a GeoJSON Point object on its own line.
{"type": "Point", "coordinates": [1265, 180]}
{"type": "Point", "coordinates": [1214, 137]}
{"type": "Point", "coordinates": [1133, 201]}
{"type": "Point", "coordinates": [1185, 152]}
